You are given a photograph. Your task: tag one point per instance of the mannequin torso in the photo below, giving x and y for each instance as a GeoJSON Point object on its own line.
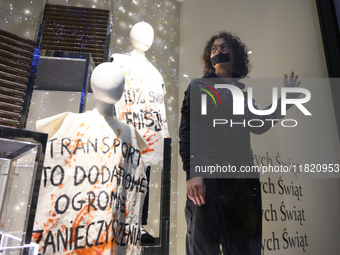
{"type": "Point", "coordinates": [142, 104]}
{"type": "Point", "coordinates": [82, 199]}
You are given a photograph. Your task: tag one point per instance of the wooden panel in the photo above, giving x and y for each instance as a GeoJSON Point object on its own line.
{"type": "Point", "coordinates": [10, 92]}
{"type": "Point", "coordinates": [13, 64]}
{"type": "Point", "coordinates": [75, 29]}
{"type": "Point", "coordinates": [15, 81]}
{"type": "Point", "coordinates": [9, 123]}
{"type": "Point", "coordinates": [16, 54]}
{"type": "Point", "coordinates": [13, 70]}
{"type": "Point", "coordinates": [17, 38]}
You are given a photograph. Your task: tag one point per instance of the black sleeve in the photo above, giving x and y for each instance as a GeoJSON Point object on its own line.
{"type": "Point", "coordinates": [184, 133]}
{"type": "Point", "coordinates": [269, 120]}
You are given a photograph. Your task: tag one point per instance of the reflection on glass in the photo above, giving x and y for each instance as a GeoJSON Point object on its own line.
{"type": "Point", "coordinates": [90, 102]}
{"type": "Point", "coordinates": [17, 175]}
{"type": "Point", "coordinates": [49, 103]}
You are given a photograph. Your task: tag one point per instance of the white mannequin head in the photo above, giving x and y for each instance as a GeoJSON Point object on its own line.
{"type": "Point", "coordinates": [141, 36]}
{"type": "Point", "coordinates": [107, 82]}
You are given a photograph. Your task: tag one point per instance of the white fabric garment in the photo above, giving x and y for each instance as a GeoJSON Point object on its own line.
{"type": "Point", "coordinates": [142, 104]}
{"type": "Point", "coordinates": [92, 187]}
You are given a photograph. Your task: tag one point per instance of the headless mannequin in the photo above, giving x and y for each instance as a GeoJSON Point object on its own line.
{"type": "Point", "coordinates": [80, 149]}
{"type": "Point", "coordinates": [142, 76]}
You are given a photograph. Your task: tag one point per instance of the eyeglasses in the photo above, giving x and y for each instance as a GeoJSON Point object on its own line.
{"type": "Point", "coordinates": [224, 48]}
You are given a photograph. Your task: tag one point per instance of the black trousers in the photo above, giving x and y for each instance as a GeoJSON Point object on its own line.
{"type": "Point", "coordinates": [231, 218]}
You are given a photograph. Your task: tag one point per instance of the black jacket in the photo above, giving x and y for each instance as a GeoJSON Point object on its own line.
{"type": "Point", "coordinates": [237, 149]}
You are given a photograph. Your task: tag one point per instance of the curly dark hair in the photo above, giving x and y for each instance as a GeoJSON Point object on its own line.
{"type": "Point", "coordinates": [240, 52]}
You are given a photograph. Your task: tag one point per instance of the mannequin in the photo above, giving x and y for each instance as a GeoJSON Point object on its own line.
{"type": "Point", "coordinates": [142, 104]}
{"type": "Point", "coordinates": [93, 180]}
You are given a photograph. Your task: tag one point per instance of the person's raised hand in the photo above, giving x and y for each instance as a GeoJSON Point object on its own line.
{"type": "Point", "coordinates": [292, 82]}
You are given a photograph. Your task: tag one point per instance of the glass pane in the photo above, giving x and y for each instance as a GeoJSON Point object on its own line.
{"type": "Point", "coordinates": [17, 169]}
{"type": "Point", "coordinates": [48, 103]}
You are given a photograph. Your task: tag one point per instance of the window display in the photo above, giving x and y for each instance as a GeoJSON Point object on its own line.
{"type": "Point", "coordinates": [299, 215]}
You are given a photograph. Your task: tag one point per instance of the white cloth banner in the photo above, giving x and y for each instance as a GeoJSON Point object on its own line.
{"type": "Point", "coordinates": [92, 187]}
{"type": "Point", "coordinates": [142, 104]}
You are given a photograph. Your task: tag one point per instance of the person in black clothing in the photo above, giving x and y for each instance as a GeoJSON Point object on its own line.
{"type": "Point", "coordinates": [224, 212]}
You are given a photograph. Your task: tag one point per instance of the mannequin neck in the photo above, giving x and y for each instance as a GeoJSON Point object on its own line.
{"type": "Point", "coordinates": [138, 53]}
{"type": "Point", "coordinates": [104, 109]}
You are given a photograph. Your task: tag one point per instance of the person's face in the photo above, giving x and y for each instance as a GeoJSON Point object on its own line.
{"type": "Point", "coordinates": [220, 46]}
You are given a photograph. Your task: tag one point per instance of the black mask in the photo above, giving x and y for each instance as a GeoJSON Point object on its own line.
{"type": "Point", "coordinates": [220, 58]}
